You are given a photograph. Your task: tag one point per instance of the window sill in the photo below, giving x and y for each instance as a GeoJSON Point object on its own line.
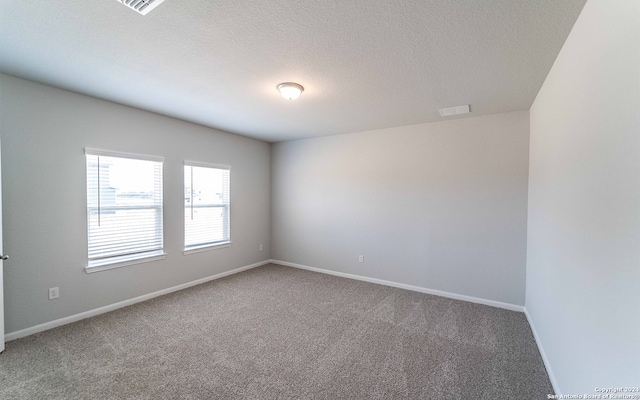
{"type": "Point", "coordinates": [124, 261]}
{"type": "Point", "coordinates": [206, 248]}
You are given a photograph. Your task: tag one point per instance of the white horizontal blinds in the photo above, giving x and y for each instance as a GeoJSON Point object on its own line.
{"type": "Point", "coordinates": [206, 206]}
{"type": "Point", "coordinates": [124, 205]}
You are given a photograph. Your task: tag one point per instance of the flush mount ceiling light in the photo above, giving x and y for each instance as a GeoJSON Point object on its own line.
{"type": "Point", "coordinates": [141, 6]}
{"type": "Point", "coordinates": [290, 90]}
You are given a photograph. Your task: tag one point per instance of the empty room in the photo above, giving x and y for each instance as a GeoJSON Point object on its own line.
{"type": "Point", "coordinates": [363, 199]}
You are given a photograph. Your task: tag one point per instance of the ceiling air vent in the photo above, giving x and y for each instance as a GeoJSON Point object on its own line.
{"type": "Point", "coordinates": [141, 6]}
{"type": "Point", "coordinates": [447, 112]}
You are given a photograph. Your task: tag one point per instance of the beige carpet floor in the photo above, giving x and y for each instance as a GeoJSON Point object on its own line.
{"type": "Point", "coordinates": [276, 332]}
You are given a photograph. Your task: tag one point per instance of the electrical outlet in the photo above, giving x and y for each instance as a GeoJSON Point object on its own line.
{"type": "Point", "coordinates": [261, 248]}
{"type": "Point", "coordinates": [360, 258]}
{"type": "Point", "coordinates": [54, 293]}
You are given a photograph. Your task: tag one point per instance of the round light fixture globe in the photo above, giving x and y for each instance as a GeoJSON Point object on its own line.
{"type": "Point", "coordinates": [290, 90]}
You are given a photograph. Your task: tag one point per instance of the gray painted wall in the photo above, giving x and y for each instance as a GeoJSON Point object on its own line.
{"type": "Point", "coordinates": [583, 264]}
{"type": "Point", "coordinates": [440, 206]}
{"type": "Point", "coordinates": [44, 131]}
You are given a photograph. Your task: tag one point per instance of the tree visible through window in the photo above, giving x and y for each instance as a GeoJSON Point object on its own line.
{"type": "Point", "coordinates": [206, 206]}
{"type": "Point", "coordinates": [124, 207]}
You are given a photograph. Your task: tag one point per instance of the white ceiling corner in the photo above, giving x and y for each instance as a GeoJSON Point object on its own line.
{"type": "Point", "coordinates": [364, 64]}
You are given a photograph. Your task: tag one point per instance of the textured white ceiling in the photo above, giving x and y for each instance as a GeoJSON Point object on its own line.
{"type": "Point", "coordinates": [365, 64]}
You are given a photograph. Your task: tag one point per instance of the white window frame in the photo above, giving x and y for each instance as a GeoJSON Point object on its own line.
{"type": "Point", "coordinates": [102, 264]}
{"type": "Point", "coordinates": [209, 246]}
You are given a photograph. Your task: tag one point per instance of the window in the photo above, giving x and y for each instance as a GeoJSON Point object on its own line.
{"type": "Point", "coordinates": [124, 209]}
{"type": "Point", "coordinates": [206, 206]}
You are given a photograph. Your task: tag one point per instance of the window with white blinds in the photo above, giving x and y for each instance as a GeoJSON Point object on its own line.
{"type": "Point", "coordinates": [124, 208]}
{"type": "Point", "coordinates": [206, 206]}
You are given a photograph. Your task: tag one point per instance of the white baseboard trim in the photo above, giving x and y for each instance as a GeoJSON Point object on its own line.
{"type": "Point", "coordinates": [111, 307]}
{"type": "Point", "coordinates": [545, 360]}
{"type": "Point", "coordinates": [492, 303]}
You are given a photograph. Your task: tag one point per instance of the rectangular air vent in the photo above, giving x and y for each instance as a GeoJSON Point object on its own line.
{"type": "Point", "coordinates": [447, 112]}
{"type": "Point", "coordinates": [141, 6]}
